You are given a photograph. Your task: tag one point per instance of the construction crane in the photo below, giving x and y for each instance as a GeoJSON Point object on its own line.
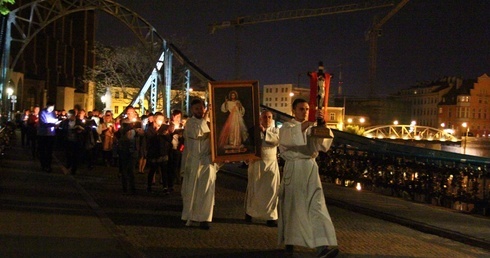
{"type": "Point", "coordinates": [300, 13]}
{"type": "Point", "coordinates": [290, 15]}
{"type": "Point", "coordinates": [372, 36]}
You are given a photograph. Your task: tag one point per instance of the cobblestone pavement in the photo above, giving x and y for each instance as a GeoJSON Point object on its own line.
{"type": "Point", "coordinates": [152, 224]}
{"type": "Point", "coordinates": [149, 225]}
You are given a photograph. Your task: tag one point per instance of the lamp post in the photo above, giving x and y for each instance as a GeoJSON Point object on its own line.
{"type": "Point", "coordinates": [10, 92]}
{"type": "Point", "coordinates": [103, 99]}
{"type": "Point", "coordinates": [467, 130]}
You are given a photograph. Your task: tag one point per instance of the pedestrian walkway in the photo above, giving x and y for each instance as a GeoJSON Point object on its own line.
{"type": "Point", "coordinates": [59, 215]}
{"type": "Point", "coordinates": [49, 215]}
{"type": "Point", "coordinates": [466, 228]}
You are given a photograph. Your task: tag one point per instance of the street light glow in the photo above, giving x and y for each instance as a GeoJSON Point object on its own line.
{"type": "Point", "coordinates": [10, 91]}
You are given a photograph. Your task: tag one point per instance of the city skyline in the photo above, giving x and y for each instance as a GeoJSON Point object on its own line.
{"type": "Point", "coordinates": [424, 41]}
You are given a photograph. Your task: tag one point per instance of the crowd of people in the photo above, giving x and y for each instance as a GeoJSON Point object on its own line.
{"type": "Point", "coordinates": [98, 138]}
{"type": "Point", "coordinates": [295, 204]}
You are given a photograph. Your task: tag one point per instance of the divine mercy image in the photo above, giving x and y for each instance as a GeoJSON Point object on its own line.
{"type": "Point", "coordinates": [234, 132]}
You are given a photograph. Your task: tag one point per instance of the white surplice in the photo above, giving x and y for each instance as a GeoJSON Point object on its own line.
{"type": "Point", "coordinates": [303, 216]}
{"type": "Point", "coordinates": [263, 179]}
{"type": "Point", "coordinates": [198, 171]}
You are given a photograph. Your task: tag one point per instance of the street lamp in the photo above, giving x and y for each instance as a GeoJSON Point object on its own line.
{"type": "Point", "coordinates": [362, 120]}
{"type": "Point", "coordinates": [10, 91]}
{"type": "Point", "coordinates": [395, 122]}
{"type": "Point", "coordinates": [467, 127]}
{"type": "Point", "coordinates": [10, 96]}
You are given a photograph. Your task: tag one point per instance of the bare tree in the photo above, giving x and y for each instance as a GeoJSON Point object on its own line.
{"type": "Point", "coordinates": [130, 67]}
{"type": "Point", "coordinates": [120, 67]}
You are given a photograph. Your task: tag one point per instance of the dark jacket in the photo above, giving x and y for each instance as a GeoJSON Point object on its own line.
{"type": "Point", "coordinates": [158, 143]}
{"type": "Point", "coordinates": [74, 134]}
{"type": "Point", "coordinates": [127, 136]}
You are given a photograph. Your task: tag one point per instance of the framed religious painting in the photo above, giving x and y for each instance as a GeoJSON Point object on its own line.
{"type": "Point", "coordinates": [234, 116]}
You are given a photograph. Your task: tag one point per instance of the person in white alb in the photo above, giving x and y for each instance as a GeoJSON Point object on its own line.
{"type": "Point", "coordinates": [263, 176]}
{"type": "Point", "coordinates": [303, 216]}
{"type": "Point", "coordinates": [198, 172]}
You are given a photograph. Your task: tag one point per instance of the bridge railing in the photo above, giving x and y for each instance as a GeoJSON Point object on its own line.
{"type": "Point", "coordinates": [456, 181]}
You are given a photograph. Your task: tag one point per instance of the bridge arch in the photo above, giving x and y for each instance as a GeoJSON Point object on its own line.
{"type": "Point", "coordinates": [408, 132]}
{"type": "Point", "coordinates": [28, 20]}
{"type": "Point", "coordinates": [25, 22]}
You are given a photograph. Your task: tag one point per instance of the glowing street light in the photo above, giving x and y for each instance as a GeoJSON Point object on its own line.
{"type": "Point", "coordinates": [467, 127]}
{"type": "Point", "coordinates": [12, 98]}
{"type": "Point", "coordinates": [10, 91]}
{"type": "Point", "coordinates": [395, 122]}
{"type": "Point", "coordinates": [291, 94]}
{"type": "Point", "coordinates": [362, 120]}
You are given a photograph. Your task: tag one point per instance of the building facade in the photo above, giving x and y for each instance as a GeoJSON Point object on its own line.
{"type": "Point", "coordinates": [467, 105]}
{"type": "Point", "coordinates": [280, 97]}
{"type": "Point", "coordinates": [423, 99]}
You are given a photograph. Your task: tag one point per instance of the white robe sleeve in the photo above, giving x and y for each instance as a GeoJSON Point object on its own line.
{"type": "Point", "coordinates": [197, 130]}
{"type": "Point", "coordinates": [290, 135]}
{"type": "Point", "coordinates": [271, 136]}
{"type": "Point", "coordinates": [319, 144]}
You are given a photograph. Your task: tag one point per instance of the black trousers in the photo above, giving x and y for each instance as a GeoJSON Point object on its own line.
{"type": "Point", "coordinates": [126, 168]}
{"type": "Point", "coordinates": [73, 151]}
{"type": "Point", "coordinates": [45, 150]}
{"type": "Point", "coordinates": [167, 176]}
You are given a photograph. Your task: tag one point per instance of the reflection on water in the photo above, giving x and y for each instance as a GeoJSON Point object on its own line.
{"type": "Point", "coordinates": [474, 146]}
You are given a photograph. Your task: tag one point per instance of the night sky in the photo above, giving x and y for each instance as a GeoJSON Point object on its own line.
{"type": "Point", "coordinates": [424, 41]}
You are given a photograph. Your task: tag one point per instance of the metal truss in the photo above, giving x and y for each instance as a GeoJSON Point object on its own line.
{"type": "Point", "coordinates": [25, 22]}
{"type": "Point", "coordinates": [408, 132]}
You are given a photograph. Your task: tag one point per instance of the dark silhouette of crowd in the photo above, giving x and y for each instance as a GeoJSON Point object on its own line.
{"type": "Point", "coordinates": [92, 138]}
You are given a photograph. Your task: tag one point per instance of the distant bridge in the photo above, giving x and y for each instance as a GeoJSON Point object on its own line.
{"type": "Point", "coordinates": [408, 132]}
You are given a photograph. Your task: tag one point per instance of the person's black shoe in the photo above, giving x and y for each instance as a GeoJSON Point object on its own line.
{"type": "Point", "coordinates": [272, 223]}
{"type": "Point", "coordinates": [328, 252]}
{"type": "Point", "coordinates": [204, 225]}
{"type": "Point", "coordinates": [248, 218]}
{"type": "Point", "coordinates": [289, 250]}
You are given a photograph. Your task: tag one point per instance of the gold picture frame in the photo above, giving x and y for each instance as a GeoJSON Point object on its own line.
{"type": "Point", "coordinates": [234, 116]}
